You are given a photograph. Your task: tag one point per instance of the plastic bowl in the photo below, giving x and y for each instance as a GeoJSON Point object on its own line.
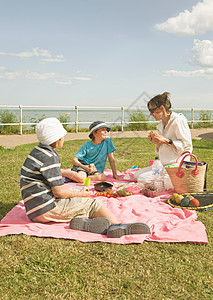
{"type": "Point", "coordinates": [102, 186]}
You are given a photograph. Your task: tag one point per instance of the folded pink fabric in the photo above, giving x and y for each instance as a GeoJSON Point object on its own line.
{"type": "Point", "coordinates": [167, 224]}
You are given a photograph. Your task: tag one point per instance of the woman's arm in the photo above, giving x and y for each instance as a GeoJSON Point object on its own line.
{"type": "Point", "coordinates": [183, 134]}
{"type": "Point", "coordinates": [159, 139]}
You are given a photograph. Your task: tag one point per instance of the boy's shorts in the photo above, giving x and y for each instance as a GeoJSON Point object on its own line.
{"type": "Point", "coordinates": [77, 169]}
{"type": "Point", "coordinates": [66, 209]}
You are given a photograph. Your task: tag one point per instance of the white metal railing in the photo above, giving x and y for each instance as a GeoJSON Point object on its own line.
{"type": "Point", "coordinates": [76, 109]}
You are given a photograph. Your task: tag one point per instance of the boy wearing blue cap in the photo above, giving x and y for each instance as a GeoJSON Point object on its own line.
{"type": "Point", "coordinates": [90, 160]}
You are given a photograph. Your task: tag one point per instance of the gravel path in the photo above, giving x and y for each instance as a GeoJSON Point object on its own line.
{"type": "Point", "coordinates": [11, 141]}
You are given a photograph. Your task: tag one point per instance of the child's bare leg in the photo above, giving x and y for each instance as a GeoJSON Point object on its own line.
{"type": "Point", "coordinates": [98, 177]}
{"type": "Point", "coordinates": [76, 176]}
{"type": "Point", "coordinates": [67, 173]}
{"type": "Point", "coordinates": [106, 213]}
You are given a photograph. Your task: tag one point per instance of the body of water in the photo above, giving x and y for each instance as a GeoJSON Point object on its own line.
{"type": "Point", "coordinates": [87, 116]}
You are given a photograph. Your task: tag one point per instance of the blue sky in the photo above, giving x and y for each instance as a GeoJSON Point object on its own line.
{"type": "Point", "coordinates": [106, 52]}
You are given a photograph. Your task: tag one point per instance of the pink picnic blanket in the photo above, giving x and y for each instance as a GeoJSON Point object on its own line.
{"type": "Point", "coordinates": [167, 224]}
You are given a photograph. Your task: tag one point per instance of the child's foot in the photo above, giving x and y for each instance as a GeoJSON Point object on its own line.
{"type": "Point", "coordinates": [96, 225]}
{"type": "Point", "coordinates": [118, 230]}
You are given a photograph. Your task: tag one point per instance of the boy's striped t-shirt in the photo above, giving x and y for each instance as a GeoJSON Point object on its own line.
{"type": "Point", "coordinates": [40, 171]}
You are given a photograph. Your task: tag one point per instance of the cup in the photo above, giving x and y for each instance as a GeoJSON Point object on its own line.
{"type": "Point", "coordinates": [87, 181]}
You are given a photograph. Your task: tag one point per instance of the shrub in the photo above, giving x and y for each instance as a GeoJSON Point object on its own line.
{"type": "Point", "coordinates": [65, 118]}
{"type": "Point", "coordinates": [36, 119]}
{"type": "Point", "coordinates": [138, 116]}
{"type": "Point", "coordinates": [116, 128]}
{"type": "Point", "coordinates": [204, 115]}
{"type": "Point", "coordinates": [8, 117]}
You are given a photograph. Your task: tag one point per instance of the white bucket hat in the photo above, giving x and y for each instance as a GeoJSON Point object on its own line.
{"type": "Point", "coordinates": [49, 130]}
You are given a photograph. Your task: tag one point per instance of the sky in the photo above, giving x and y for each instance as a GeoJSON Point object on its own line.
{"type": "Point", "coordinates": [106, 53]}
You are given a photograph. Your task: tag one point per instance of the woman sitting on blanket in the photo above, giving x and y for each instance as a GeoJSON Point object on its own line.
{"type": "Point", "coordinates": [173, 136]}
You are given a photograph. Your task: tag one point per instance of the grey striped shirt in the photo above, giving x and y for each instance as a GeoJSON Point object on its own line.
{"type": "Point", "coordinates": [40, 171]}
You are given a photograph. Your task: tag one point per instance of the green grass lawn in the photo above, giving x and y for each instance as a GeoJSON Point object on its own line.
{"type": "Point", "coordinates": [46, 268]}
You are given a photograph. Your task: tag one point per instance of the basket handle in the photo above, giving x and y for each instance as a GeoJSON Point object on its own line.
{"type": "Point", "coordinates": [195, 172]}
{"type": "Point", "coordinates": [183, 154]}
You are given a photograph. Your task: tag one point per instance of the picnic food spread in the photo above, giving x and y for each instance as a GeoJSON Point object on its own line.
{"type": "Point", "coordinates": [108, 193]}
{"type": "Point", "coordinates": [124, 189]}
{"type": "Point", "coordinates": [155, 184]}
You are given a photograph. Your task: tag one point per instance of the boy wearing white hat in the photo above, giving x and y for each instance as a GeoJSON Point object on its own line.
{"type": "Point", "coordinates": [90, 160]}
{"type": "Point", "coordinates": [42, 186]}
{"type": "Point", "coordinates": [46, 199]}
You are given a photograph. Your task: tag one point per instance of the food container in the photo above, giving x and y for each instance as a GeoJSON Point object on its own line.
{"type": "Point", "coordinates": [150, 192]}
{"type": "Point", "coordinates": [128, 189]}
{"type": "Point", "coordinates": [102, 186]}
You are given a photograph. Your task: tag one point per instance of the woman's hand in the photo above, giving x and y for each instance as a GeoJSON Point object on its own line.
{"type": "Point", "coordinates": [154, 137]}
{"type": "Point", "coordinates": [150, 137]}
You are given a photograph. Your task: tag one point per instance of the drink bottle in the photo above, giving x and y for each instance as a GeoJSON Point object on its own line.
{"type": "Point", "coordinates": [158, 173]}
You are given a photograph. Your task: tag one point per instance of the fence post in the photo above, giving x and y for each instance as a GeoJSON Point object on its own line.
{"type": "Point", "coordinates": [122, 118]}
{"type": "Point", "coordinates": [20, 118]}
{"type": "Point", "coordinates": [76, 119]}
{"type": "Point", "coordinates": [192, 117]}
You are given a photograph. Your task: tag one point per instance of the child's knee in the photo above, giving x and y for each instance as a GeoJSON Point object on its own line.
{"type": "Point", "coordinates": [103, 177]}
{"type": "Point", "coordinates": [81, 176]}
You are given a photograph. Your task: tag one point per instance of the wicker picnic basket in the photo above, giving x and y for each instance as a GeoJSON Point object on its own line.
{"type": "Point", "coordinates": [188, 180]}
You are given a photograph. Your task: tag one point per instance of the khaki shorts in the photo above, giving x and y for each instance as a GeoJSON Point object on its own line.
{"type": "Point", "coordinates": [66, 209]}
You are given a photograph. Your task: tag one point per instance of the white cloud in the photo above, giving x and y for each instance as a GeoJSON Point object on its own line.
{"type": "Point", "coordinates": [60, 78]}
{"type": "Point", "coordinates": [10, 75]}
{"type": "Point", "coordinates": [81, 78]}
{"type": "Point", "coordinates": [52, 60]}
{"type": "Point", "coordinates": [68, 81]}
{"type": "Point", "coordinates": [202, 56]}
{"type": "Point", "coordinates": [196, 22]}
{"type": "Point", "coordinates": [41, 76]}
{"type": "Point", "coordinates": [202, 53]}
{"type": "Point", "coordinates": [64, 82]}
{"type": "Point", "coordinates": [36, 52]}
{"type": "Point", "coordinates": [206, 73]}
